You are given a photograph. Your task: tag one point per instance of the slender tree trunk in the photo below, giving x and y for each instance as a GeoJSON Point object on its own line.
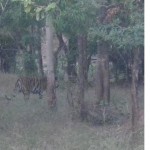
{"type": "Point", "coordinates": [102, 74]}
{"type": "Point", "coordinates": [81, 76]}
{"type": "Point", "coordinates": [134, 91]}
{"type": "Point", "coordinates": [41, 71]}
{"type": "Point", "coordinates": [71, 59]}
{"type": "Point", "coordinates": [86, 62]}
{"type": "Point", "coordinates": [55, 63]}
{"type": "Point", "coordinates": [70, 51]}
{"type": "Point", "coordinates": [87, 65]}
{"type": "Point", "coordinates": [128, 72]}
{"type": "Point", "coordinates": [40, 61]}
{"type": "Point", "coordinates": [116, 74]}
{"type": "Point", "coordinates": [106, 74]}
{"type": "Point", "coordinates": [50, 64]}
{"type": "Point", "coordinates": [99, 76]}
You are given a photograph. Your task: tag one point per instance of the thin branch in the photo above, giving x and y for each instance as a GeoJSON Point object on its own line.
{"type": "Point", "coordinates": [6, 4]}
{"type": "Point", "coordinates": [3, 7]}
{"type": "Point", "coordinates": [62, 44]}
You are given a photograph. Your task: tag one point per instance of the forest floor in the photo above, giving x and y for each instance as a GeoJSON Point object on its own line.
{"type": "Point", "coordinates": [32, 126]}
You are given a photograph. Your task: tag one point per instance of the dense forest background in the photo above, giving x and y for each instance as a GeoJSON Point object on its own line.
{"type": "Point", "coordinates": [85, 58]}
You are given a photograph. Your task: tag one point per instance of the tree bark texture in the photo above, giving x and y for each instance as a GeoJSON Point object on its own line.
{"type": "Point", "coordinates": [81, 75]}
{"type": "Point", "coordinates": [102, 74]}
{"type": "Point", "coordinates": [70, 52]}
{"type": "Point", "coordinates": [134, 92]}
{"type": "Point", "coordinates": [50, 64]}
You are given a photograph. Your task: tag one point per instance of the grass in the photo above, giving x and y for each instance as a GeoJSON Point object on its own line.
{"type": "Point", "coordinates": [32, 126]}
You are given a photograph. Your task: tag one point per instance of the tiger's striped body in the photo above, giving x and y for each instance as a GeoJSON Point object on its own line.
{"type": "Point", "coordinates": [28, 85]}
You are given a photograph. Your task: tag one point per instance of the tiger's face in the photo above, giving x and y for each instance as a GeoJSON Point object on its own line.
{"type": "Point", "coordinates": [17, 88]}
{"type": "Point", "coordinates": [20, 87]}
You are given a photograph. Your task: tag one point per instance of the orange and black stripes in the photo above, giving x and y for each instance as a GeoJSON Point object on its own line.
{"type": "Point", "coordinates": [34, 85]}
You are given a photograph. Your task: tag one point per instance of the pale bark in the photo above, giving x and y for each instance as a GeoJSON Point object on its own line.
{"type": "Point", "coordinates": [50, 64]}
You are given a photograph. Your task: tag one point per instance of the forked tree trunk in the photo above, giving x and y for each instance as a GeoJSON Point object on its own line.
{"type": "Point", "coordinates": [50, 64]}
{"type": "Point", "coordinates": [70, 51]}
{"type": "Point", "coordinates": [134, 93]}
{"type": "Point", "coordinates": [102, 74]}
{"type": "Point", "coordinates": [81, 75]}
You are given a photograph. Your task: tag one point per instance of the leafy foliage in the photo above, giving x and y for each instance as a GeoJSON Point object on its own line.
{"type": "Point", "coordinates": [101, 20]}
{"type": "Point", "coordinates": [124, 31]}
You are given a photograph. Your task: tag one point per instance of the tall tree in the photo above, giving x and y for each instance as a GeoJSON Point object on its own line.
{"type": "Point", "coordinates": [81, 75]}
{"type": "Point", "coordinates": [74, 21]}
{"type": "Point", "coordinates": [42, 10]}
{"type": "Point", "coordinates": [106, 16]}
{"type": "Point", "coordinates": [50, 63]}
{"type": "Point", "coordinates": [102, 74]}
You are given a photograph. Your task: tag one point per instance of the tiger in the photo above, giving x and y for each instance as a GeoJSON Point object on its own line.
{"type": "Point", "coordinates": [34, 85]}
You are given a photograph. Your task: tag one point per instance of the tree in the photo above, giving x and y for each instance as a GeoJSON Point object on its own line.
{"type": "Point", "coordinates": [105, 18]}
{"type": "Point", "coordinates": [74, 21]}
{"type": "Point", "coordinates": [39, 10]}
{"type": "Point", "coordinates": [50, 64]}
{"type": "Point", "coordinates": [81, 75]}
{"type": "Point", "coordinates": [102, 74]}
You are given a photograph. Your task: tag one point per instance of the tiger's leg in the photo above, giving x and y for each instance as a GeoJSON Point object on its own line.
{"type": "Point", "coordinates": [26, 95]}
{"type": "Point", "coordinates": [40, 95]}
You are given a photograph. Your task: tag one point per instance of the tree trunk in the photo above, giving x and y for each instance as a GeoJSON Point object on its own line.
{"type": "Point", "coordinates": [71, 59]}
{"type": "Point", "coordinates": [81, 75]}
{"type": "Point", "coordinates": [70, 51]}
{"type": "Point", "coordinates": [87, 65]}
{"type": "Point", "coordinates": [106, 75]}
{"type": "Point", "coordinates": [99, 76]}
{"type": "Point", "coordinates": [50, 64]}
{"type": "Point", "coordinates": [116, 74]}
{"type": "Point", "coordinates": [86, 62]}
{"type": "Point", "coordinates": [134, 91]}
{"type": "Point", "coordinates": [41, 71]}
{"type": "Point", "coordinates": [102, 74]}
{"type": "Point", "coordinates": [40, 61]}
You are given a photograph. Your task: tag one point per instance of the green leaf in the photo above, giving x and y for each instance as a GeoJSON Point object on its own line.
{"type": "Point", "coordinates": [50, 7]}
{"type": "Point", "coordinates": [28, 9]}
{"type": "Point", "coordinates": [42, 15]}
{"type": "Point", "coordinates": [38, 10]}
{"type": "Point", "coordinates": [38, 16]}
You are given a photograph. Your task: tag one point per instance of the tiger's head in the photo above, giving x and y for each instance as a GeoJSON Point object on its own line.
{"type": "Point", "coordinates": [17, 88]}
